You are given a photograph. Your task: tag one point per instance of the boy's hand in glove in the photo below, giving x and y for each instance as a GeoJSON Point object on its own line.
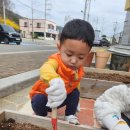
{"type": "Point", "coordinates": [56, 93]}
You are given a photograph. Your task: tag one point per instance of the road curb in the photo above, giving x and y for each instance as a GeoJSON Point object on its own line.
{"type": "Point", "coordinates": [17, 82]}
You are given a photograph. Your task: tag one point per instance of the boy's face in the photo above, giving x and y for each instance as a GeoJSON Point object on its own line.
{"type": "Point", "coordinates": [74, 53]}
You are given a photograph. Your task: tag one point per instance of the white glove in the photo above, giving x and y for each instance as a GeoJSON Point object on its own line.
{"type": "Point", "coordinates": [114, 122]}
{"type": "Point", "coordinates": [56, 93]}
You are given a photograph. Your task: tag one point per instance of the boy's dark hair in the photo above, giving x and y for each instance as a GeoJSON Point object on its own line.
{"type": "Point", "coordinates": [78, 29]}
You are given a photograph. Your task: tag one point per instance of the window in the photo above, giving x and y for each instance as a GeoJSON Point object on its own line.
{"type": "Point", "coordinates": [38, 25]}
{"type": "Point", "coordinates": [25, 24]}
{"type": "Point", "coordinates": [50, 26]}
{"type": "Point", "coordinates": [48, 34]}
{"type": "Point", "coordinates": [8, 28]}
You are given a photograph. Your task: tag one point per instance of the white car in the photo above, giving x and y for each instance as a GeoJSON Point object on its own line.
{"type": "Point", "coordinates": [97, 43]}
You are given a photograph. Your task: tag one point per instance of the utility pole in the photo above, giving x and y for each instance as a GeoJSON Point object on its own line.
{"type": "Point", "coordinates": [102, 26]}
{"type": "Point", "coordinates": [45, 22]}
{"type": "Point", "coordinates": [32, 23]}
{"type": "Point", "coordinates": [114, 29]}
{"type": "Point", "coordinates": [4, 12]}
{"type": "Point", "coordinates": [96, 21]}
{"type": "Point", "coordinates": [47, 8]}
{"type": "Point", "coordinates": [85, 9]}
{"type": "Point", "coordinates": [89, 4]}
{"type": "Point", "coordinates": [66, 19]}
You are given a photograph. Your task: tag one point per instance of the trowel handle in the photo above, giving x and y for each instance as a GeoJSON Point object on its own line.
{"type": "Point", "coordinates": [54, 118]}
{"type": "Point", "coordinates": [54, 113]}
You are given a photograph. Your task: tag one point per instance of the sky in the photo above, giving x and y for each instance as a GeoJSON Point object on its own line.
{"type": "Point", "coordinates": [104, 15]}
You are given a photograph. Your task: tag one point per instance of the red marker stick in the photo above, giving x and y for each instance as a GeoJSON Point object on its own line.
{"type": "Point", "coordinates": [54, 118]}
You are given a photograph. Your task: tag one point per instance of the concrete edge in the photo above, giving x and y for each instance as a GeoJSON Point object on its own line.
{"type": "Point", "coordinates": [39, 121]}
{"type": "Point", "coordinates": [17, 82]}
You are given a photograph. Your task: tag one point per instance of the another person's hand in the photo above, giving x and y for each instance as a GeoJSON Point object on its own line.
{"type": "Point", "coordinates": [56, 93]}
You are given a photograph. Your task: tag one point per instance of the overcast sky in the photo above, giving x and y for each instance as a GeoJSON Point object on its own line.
{"type": "Point", "coordinates": [104, 14]}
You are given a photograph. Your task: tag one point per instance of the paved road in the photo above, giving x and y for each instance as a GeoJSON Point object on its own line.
{"type": "Point", "coordinates": [27, 46]}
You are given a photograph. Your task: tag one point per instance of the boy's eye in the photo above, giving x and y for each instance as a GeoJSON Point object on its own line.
{"type": "Point", "coordinates": [69, 55]}
{"type": "Point", "coordinates": [81, 58]}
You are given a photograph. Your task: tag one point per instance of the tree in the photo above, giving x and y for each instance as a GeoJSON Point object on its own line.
{"type": "Point", "coordinates": [10, 23]}
{"type": "Point", "coordinates": [104, 36]}
{"type": "Point", "coordinates": [8, 4]}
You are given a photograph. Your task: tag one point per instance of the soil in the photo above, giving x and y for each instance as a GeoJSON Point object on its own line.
{"type": "Point", "coordinates": [108, 77]}
{"type": "Point", "coordinates": [10, 124]}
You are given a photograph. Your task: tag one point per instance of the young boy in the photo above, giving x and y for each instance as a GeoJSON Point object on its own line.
{"type": "Point", "coordinates": [60, 75]}
{"type": "Point", "coordinates": [112, 108]}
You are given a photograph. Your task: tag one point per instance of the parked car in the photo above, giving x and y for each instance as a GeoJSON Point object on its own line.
{"type": "Point", "coordinates": [102, 42]}
{"type": "Point", "coordinates": [8, 34]}
{"type": "Point", "coordinates": [97, 43]}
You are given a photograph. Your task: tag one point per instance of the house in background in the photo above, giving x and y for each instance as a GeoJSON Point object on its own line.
{"type": "Point", "coordinates": [38, 29]}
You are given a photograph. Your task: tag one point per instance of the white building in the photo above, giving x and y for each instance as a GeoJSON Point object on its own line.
{"type": "Point", "coordinates": [38, 28]}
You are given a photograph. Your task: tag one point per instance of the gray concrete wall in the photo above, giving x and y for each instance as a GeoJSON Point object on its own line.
{"type": "Point", "coordinates": [126, 31]}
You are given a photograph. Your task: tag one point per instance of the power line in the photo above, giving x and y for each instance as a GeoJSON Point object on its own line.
{"type": "Point", "coordinates": [29, 6]}
{"type": "Point", "coordinates": [86, 9]}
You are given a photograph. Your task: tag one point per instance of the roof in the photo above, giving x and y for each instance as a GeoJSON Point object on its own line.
{"type": "Point", "coordinates": [37, 19]}
{"type": "Point", "coordinates": [120, 49]}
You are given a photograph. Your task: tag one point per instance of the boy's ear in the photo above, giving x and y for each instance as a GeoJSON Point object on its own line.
{"type": "Point", "coordinates": [58, 45]}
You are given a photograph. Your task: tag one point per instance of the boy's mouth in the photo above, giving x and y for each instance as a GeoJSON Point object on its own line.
{"type": "Point", "coordinates": [73, 67]}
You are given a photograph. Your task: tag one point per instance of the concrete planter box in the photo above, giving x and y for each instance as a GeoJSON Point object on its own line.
{"type": "Point", "coordinates": [41, 121]}
{"type": "Point", "coordinates": [93, 88]}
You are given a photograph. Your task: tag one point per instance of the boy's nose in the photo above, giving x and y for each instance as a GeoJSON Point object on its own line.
{"type": "Point", "coordinates": [73, 60]}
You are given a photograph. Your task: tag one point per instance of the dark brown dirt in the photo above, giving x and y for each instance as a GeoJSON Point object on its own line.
{"type": "Point", "coordinates": [10, 124]}
{"type": "Point", "coordinates": [108, 77]}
